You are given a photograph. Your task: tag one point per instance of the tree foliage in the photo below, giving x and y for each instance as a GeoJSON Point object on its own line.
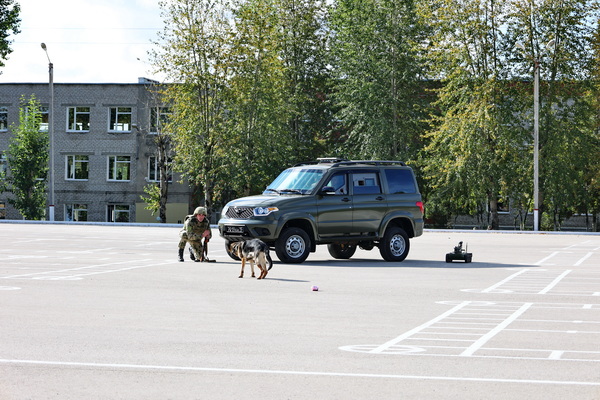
{"type": "Point", "coordinates": [157, 194]}
{"type": "Point", "coordinates": [240, 71]}
{"type": "Point", "coordinates": [378, 76]}
{"type": "Point", "coordinates": [28, 162]}
{"type": "Point", "coordinates": [261, 84]}
{"type": "Point", "coordinates": [480, 147]}
{"type": "Point", "coordinates": [471, 149]}
{"type": "Point", "coordinates": [559, 35]}
{"type": "Point", "coordinates": [193, 51]}
{"type": "Point", "coordinates": [9, 24]}
{"type": "Point", "coordinates": [304, 53]}
{"type": "Point", "coordinates": [258, 105]}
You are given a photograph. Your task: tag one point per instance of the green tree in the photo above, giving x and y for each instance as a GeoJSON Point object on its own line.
{"type": "Point", "coordinates": [303, 47]}
{"type": "Point", "coordinates": [193, 52]}
{"type": "Point", "coordinates": [158, 193]}
{"type": "Point", "coordinates": [475, 147]}
{"type": "Point", "coordinates": [378, 77]}
{"type": "Point", "coordinates": [259, 138]}
{"type": "Point", "coordinates": [244, 89]}
{"type": "Point", "coordinates": [9, 22]}
{"type": "Point", "coordinates": [28, 162]}
{"type": "Point", "coordinates": [559, 35]}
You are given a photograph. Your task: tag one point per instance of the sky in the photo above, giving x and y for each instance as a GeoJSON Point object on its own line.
{"type": "Point", "coordinates": [88, 41]}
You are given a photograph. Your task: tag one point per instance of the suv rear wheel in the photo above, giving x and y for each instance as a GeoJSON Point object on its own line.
{"type": "Point", "coordinates": [292, 246]}
{"type": "Point", "coordinates": [395, 244]}
{"type": "Point", "coordinates": [341, 251]}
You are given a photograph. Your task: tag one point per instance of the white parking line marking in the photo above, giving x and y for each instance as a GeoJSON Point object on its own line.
{"type": "Point", "coordinates": [488, 336]}
{"type": "Point", "coordinates": [546, 282]}
{"type": "Point", "coordinates": [491, 288]}
{"type": "Point", "coordinates": [546, 258]}
{"type": "Point", "coordinates": [554, 282]}
{"type": "Point", "coordinates": [392, 342]}
{"type": "Point", "coordinates": [446, 335]}
{"type": "Point", "coordinates": [582, 259]}
{"type": "Point", "coordinates": [290, 372]}
{"type": "Point", "coordinates": [70, 269]}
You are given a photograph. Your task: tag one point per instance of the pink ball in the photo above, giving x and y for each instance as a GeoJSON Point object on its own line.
{"type": "Point", "coordinates": [315, 288]}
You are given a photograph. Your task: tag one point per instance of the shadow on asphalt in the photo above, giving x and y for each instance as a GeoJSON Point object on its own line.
{"type": "Point", "coordinates": [286, 280]}
{"type": "Point", "coordinates": [375, 263]}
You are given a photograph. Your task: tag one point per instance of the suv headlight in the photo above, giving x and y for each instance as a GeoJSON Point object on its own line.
{"type": "Point", "coordinates": [264, 211]}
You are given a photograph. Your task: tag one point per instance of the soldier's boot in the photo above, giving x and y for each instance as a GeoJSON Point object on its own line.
{"type": "Point", "coordinates": [192, 256]}
{"type": "Point", "coordinates": [180, 255]}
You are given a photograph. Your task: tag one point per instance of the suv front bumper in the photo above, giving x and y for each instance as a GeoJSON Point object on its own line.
{"type": "Point", "coordinates": [248, 228]}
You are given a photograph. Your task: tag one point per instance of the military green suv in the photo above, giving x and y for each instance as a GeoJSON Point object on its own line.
{"type": "Point", "coordinates": [343, 204]}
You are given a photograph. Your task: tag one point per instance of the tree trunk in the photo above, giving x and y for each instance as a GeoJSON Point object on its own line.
{"type": "Point", "coordinates": [495, 223]}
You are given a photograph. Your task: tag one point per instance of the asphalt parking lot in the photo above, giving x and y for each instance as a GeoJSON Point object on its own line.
{"type": "Point", "coordinates": [107, 312]}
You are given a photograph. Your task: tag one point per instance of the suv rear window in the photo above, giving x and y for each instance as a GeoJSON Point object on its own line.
{"type": "Point", "coordinates": [400, 181]}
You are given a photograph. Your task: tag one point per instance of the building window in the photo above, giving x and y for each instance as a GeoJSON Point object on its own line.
{"type": "Point", "coordinates": [3, 165]}
{"type": "Point", "coordinates": [44, 114]}
{"type": "Point", "coordinates": [78, 119]}
{"type": "Point", "coordinates": [119, 168]}
{"type": "Point", "coordinates": [120, 119]}
{"type": "Point", "coordinates": [159, 117]}
{"type": "Point", "coordinates": [3, 119]}
{"type": "Point", "coordinates": [76, 212]}
{"type": "Point", "coordinates": [45, 122]}
{"type": "Point", "coordinates": [117, 213]}
{"type": "Point", "coordinates": [77, 167]}
{"type": "Point", "coordinates": [153, 171]}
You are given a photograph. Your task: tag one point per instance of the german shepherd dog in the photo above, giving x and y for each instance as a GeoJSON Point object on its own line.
{"type": "Point", "coordinates": [254, 251]}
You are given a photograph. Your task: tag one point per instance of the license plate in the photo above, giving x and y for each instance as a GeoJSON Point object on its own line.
{"type": "Point", "coordinates": [234, 229]}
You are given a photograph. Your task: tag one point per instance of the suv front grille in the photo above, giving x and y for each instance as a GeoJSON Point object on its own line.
{"type": "Point", "coordinates": [240, 212]}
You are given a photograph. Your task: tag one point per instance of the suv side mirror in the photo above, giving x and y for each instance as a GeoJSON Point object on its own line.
{"type": "Point", "coordinates": [327, 190]}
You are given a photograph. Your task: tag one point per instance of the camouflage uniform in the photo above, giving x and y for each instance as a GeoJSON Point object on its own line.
{"type": "Point", "coordinates": [192, 233]}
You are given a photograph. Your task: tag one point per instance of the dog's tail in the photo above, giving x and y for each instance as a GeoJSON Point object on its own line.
{"type": "Point", "coordinates": [268, 257]}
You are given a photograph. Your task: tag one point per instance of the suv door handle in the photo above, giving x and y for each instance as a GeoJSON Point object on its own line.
{"type": "Point", "coordinates": [379, 198]}
{"type": "Point", "coordinates": [345, 199]}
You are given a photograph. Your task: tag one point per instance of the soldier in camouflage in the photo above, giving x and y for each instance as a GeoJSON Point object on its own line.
{"type": "Point", "coordinates": [195, 228]}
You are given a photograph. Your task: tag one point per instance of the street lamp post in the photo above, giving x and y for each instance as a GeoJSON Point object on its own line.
{"type": "Point", "coordinates": [536, 132]}
{"type": "Point", "coordinates": [51, 133]}
{"type": "Point", "coordinates": [536, 145]}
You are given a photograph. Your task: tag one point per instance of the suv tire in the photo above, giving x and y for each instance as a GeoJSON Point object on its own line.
{"type": "Point", "coordinates": [395, 244]}
{"type": "Point", "coordinates": [292, 246]}
{"type": "Point", "coordinates": [341, 251]}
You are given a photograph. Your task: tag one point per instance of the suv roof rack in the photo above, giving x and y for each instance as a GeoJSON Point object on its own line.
{"type": "Point", "coordinates": [335, 162]}
{"type": "Point", "coordinates": [370, 162]}
{"type": "Point", "coordinates": [322, 160]}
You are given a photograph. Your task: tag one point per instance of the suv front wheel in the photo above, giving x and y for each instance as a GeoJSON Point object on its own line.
{"type": "Point", "coordinates": [228, 250]}
{"type": "Point", "coordinates": [395, 244]}
{"type": "Point", "coordinates": [292, 246]}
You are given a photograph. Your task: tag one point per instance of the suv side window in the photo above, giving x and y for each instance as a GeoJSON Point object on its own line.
{"type": "Point", "coordinates": [365, 183]}
{"type": "Point", "coordinates": [338, 183]}
{"type": "Point", "coordinates": [400, 181]}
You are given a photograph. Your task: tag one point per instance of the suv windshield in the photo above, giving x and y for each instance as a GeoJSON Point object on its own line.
{"type": "Point", "coordinates": [295, 180]}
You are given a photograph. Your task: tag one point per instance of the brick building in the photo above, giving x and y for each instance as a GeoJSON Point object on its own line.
{"type": "Point", "coordinates": [103, 149]}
